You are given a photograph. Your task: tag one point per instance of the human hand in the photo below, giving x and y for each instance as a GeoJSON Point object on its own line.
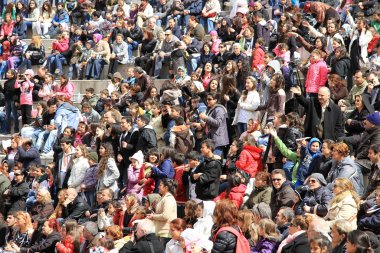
{"type": "Point", "coordinates": [307, 208]}
{"type": "Point", "coordinates": [296, 90]}
{"type": "Point", "coordinates": [119, 158]}
{"type": "Point", "coordinates": [124, 144]}
{"type": "Point", "coordinates": [197, 176]}
{"type": "Point", "coordinates": [226, 97]}
{"type": "Point", "coordinates": [349, 121]}
{"type": "Point", "coordinates": [273, 132]}
{"type": "Point", "coordinates": [203, 116]}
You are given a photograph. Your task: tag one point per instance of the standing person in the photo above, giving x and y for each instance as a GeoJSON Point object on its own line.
{"type": "Point", "coordinates": [26, 97]}
{"type": "Point", "coordinates": [108, 172]}
{"type": "Point", "coordinates": [64, 163]}
{"type": "Point", "coordinates": [317, 74]}
{"type": "Point", "coordinates": [11, 96]}
{"type": "Point", "coordinates": [216, 124]}
{"type": "Point", "coordinates": [88, 186]}
{"type": "Point", "coordinates": [207, 175]}
{"type": "Point", "coordinates": [165, 169]}
{"type": "Point", "coordinates": [147, 138]}
{"type": "Point", "coordinates": [79, 168]}
{"type": "Point", "coordinates": [166, 209]}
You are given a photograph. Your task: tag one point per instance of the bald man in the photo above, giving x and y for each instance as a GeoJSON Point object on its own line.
{"type": "Point", "coordinates": [324, 119]}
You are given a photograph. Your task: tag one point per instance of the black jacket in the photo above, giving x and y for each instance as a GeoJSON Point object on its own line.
{"type": "Point", "coordinates": [299, 245]}
{"type": "Point", "coordinates": [18, 193]}
{"type": "Point", "coordinates": [147, 139]}
{"type": "Point", "coordinates": [143, 245]}
{"type": "Point", "coordinates": [131, 138]}
{"type": "Point", "coordinates": [147, 47]}
{"type": "Point", "coordinates": [318, 199]}
{"type": "Point", "coordinates": [341, 67]}
{"type": "Point", "coordinates": [136, 34]}
{"type": "Point", "coordinates": [75, 209]}
{"type": "Point", "coordinates": [225, 242]}
{"type": "Point", "coordinates": [357, 118]}
{"type": "Point", "coordinates": [207, 186]}
{"type": "Point", "coordinates": [46, 245]}
{"type": "Point", "coordinates": [333, 119]}
{"type": "Point", "coordinates": [282, 197]}
{"type": "Point", "coordinates": [9, 90]}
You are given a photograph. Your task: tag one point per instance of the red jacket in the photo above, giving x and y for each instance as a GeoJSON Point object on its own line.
{"type": "Point", "coordinates": [258, 59]}
{"type": "Point", "coordinates": [149, 185]}
{"type": "Point", "coordinates": [236, 195]}
{"type": "Point", "coordinates": [250, 160]}
{"type": "Point", "coordinates": [7, 29]}
{"type": "Point", "coordinates": [316, 76]}
{"type": "Point", "coordinates": [67, 246]}
{"type": "Point", "coordinates": [61, 46]}
{"type": "Point", "coordinates": [180, 193]}
{"type": "Point", "coordinates": [372, 44]}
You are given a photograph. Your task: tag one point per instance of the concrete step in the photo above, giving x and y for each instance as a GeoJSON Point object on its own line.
{"type": "Point", "coordinates": [45, 160]}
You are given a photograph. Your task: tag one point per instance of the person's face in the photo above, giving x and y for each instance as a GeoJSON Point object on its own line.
{"type": "Point", "coordinates": [139, 232]}
{"type": "Point", "coordinates": [222, 48]}
{"type": "Point", "coordinates": [373, 157]}
{"type": "Point", "coordinates": [358, 102]}
{"type": "Point", "coordinates": [336, 155]}
{"type": "Point", "coordinates": [358, 78]}
{"type": "Point", "coordinates": [280, 218]}
{"type": "Point", "coordinates": [20, 221]}
{"type": "Point", "coordinates": [81, 129]}
{"type": "Point", "coordinates": [259, 183]}
{"type": "Point", "coordinates": [140, 123]}
{"type": "Point", "coordinates": [335, 44]}
{"type": "Point", "coordinates": [147, 106]}
{"type": "Point", "coordinates": [119, 39]}
{"type": "Point", "coordinates": [175, 233]}
{"type": "Point", "coordinates": [336, 237]}
{"type": "Point", "coordinates": [292, 228]}
{"type": "Point", "coordinates": [277, 181]}
{"type": "Point", "coordinates": [153, 159]}
{"type": "Point", "coordinates": [124, 125]}
{"type": "Point", "coordinates": [205, 150]}
{"type": "Point", "coordinates": [236, 50]}
{"type": "Point", "coordinates": [315, 57]}
{"type": "Point", "coordinates": [229, 66]}
{"type": "Point", "coordinates": [46, 230]}
{"type": "Point", "coordinates": [211, 102]}
{"type": "Point", "coordinates": [11, 220]}
{"type": "Point", "coordinates": [162, 189]}
{"type": "Point", "coordinates": [233, 148]}
{"type": "Point", "coordinates": [350, 247]}
{"type": "Point", "coordinates": [39, 197]}
{"type": "Point", "coordinates": [9, 74]}
{"type": "Point", "coordinates": [331, 28]}
{"type": "Point", "coordinates": [180, 72]}
{"type": "Point", "coordinates": [314, 184]}
{"type": "Point", "coordinates": [67, 132]}
{"type": "Point", "coordinates": [323, 97]}
{"type": "Point", "coordinates": [214, 85]}
{"type": "Point", "coordinates": [59, 7]}
{"type": "Point", "coordinates": [325, 150]}
{"type": "Point", "coordinates": [102, 151]}
{"type": "Point", "coordinates": [199, 212]}
{"type": "Point", "coordinates": [247, 33]}
{"type": "Point", "coordinates": [153, 93]}
{"type": "Point", "coordinates": [315, 248]}
{"type": "Point", "coordinates": [208, 67]}
{"type": "Point", "coordinates": [19, 177]}
{"type": "Point", "coordinates": [168, 36]}
{"type": "Point", "coordinates": [171, 23]}
{"type": "Point", "coordinates": [134, 163]}
{"type": "Point", "coordinates": [78, 152]}
{"type": "Point", "coordinates": [314, 147]}
{"type": "Point", "coordinates": [272, 83]}
{"type": "Point", "coordinates": [174, 114]}
{"type": "Point", "coordinates": [337, 189]}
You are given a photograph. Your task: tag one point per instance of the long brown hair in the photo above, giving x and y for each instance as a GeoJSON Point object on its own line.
{"type": "Point", "coordinates": [107, 155]}
{"type": "Point", "coordinates": [226, 213]}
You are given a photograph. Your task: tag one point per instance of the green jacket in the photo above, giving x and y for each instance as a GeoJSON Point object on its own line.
{"type": "Point", "coordinates": [292, 156]}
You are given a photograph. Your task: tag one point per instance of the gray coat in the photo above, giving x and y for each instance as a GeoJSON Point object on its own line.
{"type": "Point", "coordinates": [217, 125]}
{"type": "Point", "coordinates": [347, 168]}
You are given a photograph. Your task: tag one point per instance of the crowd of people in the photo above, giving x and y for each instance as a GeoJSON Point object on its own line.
{"type": "Point", "coordinates": [264, 136]}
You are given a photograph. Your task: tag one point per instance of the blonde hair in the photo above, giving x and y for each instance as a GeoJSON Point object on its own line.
{"type": "Point", "coordinates": [26, 217]}
{"type": "Point", "coordinates": [254, 232]}
{"type": "Point", "coordinates": [37, 41]}
{"type": "Point", "coordinates": [269, 229]}
{"type": "Point", "coordinates": [245, 218]}
{"type": "Point", "coordinates": [347, 188]}
{"type": "Point", "coordinates": [45, 194]}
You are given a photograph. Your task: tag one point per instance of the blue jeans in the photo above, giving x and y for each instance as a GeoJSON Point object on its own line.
{"type": "Point", "coordinates": [40, 139]}
{"type": "Point", "coordinates": [3, 122]}
{"type": "Point", "coordinates": [132, 47]}
{"type": "Point", "coordinates": [11, 112]}
{"type": "Point", "coordinates": [50, 141]}
{"type": "Point", "coordinates": [241, 127]}
{"type": "Point", "coordinates": [210, 24]}
{"type": "Point", "coordinates": [55, 62]}
{"type": "Point", "coordinates": [3, 69]}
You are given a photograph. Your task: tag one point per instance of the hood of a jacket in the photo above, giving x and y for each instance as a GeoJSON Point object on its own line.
{"type": "Point", "coordinates": [367, 103]}
{"type": "Point", "coordinates": [275, 65]}
{"type": "Point", "coordinates": [312, 140]}
{"type": "Point", "coordinates": [208, 208]}
{"type": "Point", "coordinates": [239, 189]}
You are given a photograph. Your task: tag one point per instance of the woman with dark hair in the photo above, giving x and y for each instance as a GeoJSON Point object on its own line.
{"type": "Point", "coordinates": [114, 132]}
{"type": "Point", "coordinates": [276, 97]}
{"type": "Point", "coordinates": [108, 172]}
{"type": "Point", "coordinates": [225, 31]}
{"type": "Point", "coordinates": [33, 14]}
{"type": "Point", "coordinates": [66, 88]}
{"type": "Point", "coordinates": [244, 70]}
{"type": "Point", "coordinates": [358, 242]}
{"type": "Point", "coordinates": [165, 169]}
{"type": "Point", "coordinates": [229, 98]}
{"type": "Point", "coordinates": [206, 55]}
{"type": "Point", "coordinates": [336, 43]}
{"type": "Point", "coordinates": [318, 43]}
{"type": "Point", "coordinates": [231, 68]}
{"type": "Point", "coordinates": [21, 9]}
{"type": "Point", "coordinates": [341, 64]}
{"type": "Point", "coordinates": [207, 74]}
{"type": "Point", "coordinates": [226, 227]}
{"type": "Point", "coordinates": [284, 38]}
{"type": "Point", "coordinates": [355, 122]}
{"type": "Point", "coordinates": [152, 92]}
{"type": "Point", "coordinates": [47, 13]}
{"type": "Point", "coordinates": [166, 209]}
{"type": "Point", "coordinates": [338, 87]}
{"type": "Point", "coordinates": [148, 45]}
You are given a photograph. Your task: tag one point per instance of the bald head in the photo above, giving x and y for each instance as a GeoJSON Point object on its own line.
{"type": "Point", "coordinates": [324, 95]}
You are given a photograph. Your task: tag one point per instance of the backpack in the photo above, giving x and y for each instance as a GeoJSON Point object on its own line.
{"type": "Point", "coordinates": [242, 244]}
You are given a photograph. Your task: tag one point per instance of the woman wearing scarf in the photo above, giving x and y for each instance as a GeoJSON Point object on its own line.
{"type": "Point", "coordinates": [100, 57]}
{"type": "Point", "coordinates": [145, 11]}
{"type": "Point", "coordinates": [297, 241]}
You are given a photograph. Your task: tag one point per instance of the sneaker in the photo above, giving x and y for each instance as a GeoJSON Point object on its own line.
{"type": "Point", "coordinates": [50, 153]}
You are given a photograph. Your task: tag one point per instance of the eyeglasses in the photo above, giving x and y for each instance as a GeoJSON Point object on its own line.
{"type": "Point", "coordinates": [167, 34]}
{"type": "Point", "coordinates": [276, 179]}
{"type": "Point", "coordinates": [18, 174]}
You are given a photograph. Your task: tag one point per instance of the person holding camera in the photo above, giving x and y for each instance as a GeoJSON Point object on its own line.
{"type": "Point", "coordinates": [26, 97]}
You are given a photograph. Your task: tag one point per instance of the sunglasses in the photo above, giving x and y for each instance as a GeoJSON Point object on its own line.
{"type": "Point", "coordinates": [276, 179]}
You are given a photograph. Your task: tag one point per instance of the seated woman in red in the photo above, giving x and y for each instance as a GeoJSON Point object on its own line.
{"type": "Point", "coordinates": [250, 157]}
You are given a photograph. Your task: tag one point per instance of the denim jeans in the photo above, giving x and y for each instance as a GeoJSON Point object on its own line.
{"type": "Point", "coordinates": [209, 22]}
{"type": "Point", "coordinates": [131, 47]}
{"type": "Point", "coordinates": [241, 127]}
{"type": "Point", "coordinates": [11, 113]}
{"type": "Point", "coordinates": [40, 139]}
{"type": "Point", "coordinates": [50, 141]}
{"type": "Point", "coordinates": [3, 122]}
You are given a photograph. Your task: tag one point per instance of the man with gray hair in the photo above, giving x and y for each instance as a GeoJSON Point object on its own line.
{"type": "Point", "coordinates": [74, 206]}
{"type": "Point", "coordinates": [284, 218]}
{"type": "Point", "coordinates": [90, 231]}
{"type": "Point", "coordinates": [261, 211]}
{"type": "Point", "coordinates": [145, 239]}
{"type": "Point", "coordinates": [318, 226]}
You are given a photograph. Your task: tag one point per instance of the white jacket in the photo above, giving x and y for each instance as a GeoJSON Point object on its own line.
{"type": "Point", "coordinates": [78, 171]}
{"type": "Point", "coordinates": [246, 109]}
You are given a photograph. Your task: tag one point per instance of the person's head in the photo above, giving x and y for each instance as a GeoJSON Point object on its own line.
{"type": "Point", "coordinates": [340, 151]}
{"type": "Point", "coordinates": [316, 55]}
{"type": "Point", "coordinates": [372, 120]}
{"type": "Point", "coordinates": [284, 216]}
{"type": "Point", "coordinates": [167, 186]}
{"type": "Point", "coordinates": [207, 148]}
{"type": "Point", "coordinates": [278, 178]}
{"type": "Point", "coordinates": [142, 121]}
{"type": "Point", "coordinates": [177, 226]}
{"type": "Point", "coordinates": [324, 95]}
{"type": "Point", "coordinates": [212, 99]}
{"type": "Point", "coordinates": [359, 78]}
{"type": "Point", "coordinates": [50, 226]}
{"type": "Point", "coordinates": [262, 179]}
{"type": "Point", "coordinates": [225, 213]}
{"type": "Point", "coordinates": [19, 175]}
{"type": "Point", "coordinates": [358, 242]}
{"type": "Point", "coordinates": [320, 244]}
{"type": "Point", "coordinates": [297, 224]}
{"type": "Point", "coordinates": [268, 230]}
{"type": "Point", "coordinates": [11, 219]}
{"type": "Point", "coordinates": [23, 221]}
{"type": "Point", "coordinates": [90, 230]}
{"type": "Point", "coordinates": [114, 232]}
{"type": "Point", "coordinates": [339, 231]}
{"type": "Point", "coordinates": [43, 196]}
{"type": "Point", "coordinates": [168, 35]}
{"type": "Point", "coordinates": [145, 227]}
{"type": "Point", "coordinates": [261, 211]}
{"type": "Point", "coordinates": [374, 153]}
{"type": "Point", "coordinates": [106, 150]}
{"type": "Point", "coordinates": [236, 48]}
{"type": "Point", "coordinates": [342, 185]}
{"type": "Point", "coordinates": [277, 82]}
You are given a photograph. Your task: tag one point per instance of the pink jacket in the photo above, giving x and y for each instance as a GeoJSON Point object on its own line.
{"type": "Point", "coordinates": [7, 29]}
{"type": "Point", "coordinates": [66, 91]}
{"type": "Point", "coordinates": [26, 97]}
{"type": "Point", "coordinates": [316, 76]}
{"type": "Point", "coordinates": [133, 178]}
{"type": "Point", "coordinates": [285, 55]}
{"type": "Point", "coordinates": [61, 46]}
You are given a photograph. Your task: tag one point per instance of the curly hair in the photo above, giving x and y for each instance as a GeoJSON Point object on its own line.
{"type": "Point", "coordinates": [104, 160]}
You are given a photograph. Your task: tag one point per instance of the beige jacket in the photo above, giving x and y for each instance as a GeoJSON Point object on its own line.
{"type": "Point", "coordinates": [166, 211]}
{"type": "Point", "coordinates": [345, 209]}
{"type": "Point", "coordinates": [103, 48]}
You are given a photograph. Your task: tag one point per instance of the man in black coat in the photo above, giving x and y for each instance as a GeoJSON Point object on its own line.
{"type": "Point", "coordinates": [74, 206]}
{"type": "Point", "coordinates": [145, 239]}
{"type": "Point", "coordinates": [18, 191]}
{"type": "Point", "coordinates": [27, 154]}
{"type": "Point", "coordinates": [206, 175]}
{"type": "Point", "coordinates": [324, 118]}
{"type": "Point", "coordinates": [283, 193]}
{"type": "Point", "coordinates": [147, 138]}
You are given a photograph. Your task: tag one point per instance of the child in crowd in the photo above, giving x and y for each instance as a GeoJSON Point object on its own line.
{"type": "Point", "coordinates": [147, 184]}
{"type": "Point", "coordinates": [193, 159]}
{"type": "Point", "coordinates": [178, 162]}
{"type": "Point", "coordinates": [282, 50]}
{"type": "Point", "coordinates": [5, 54]}
{"type": "Point", "coordinates": [101, 101]}
{"type": "Point", "coordinates": [90, 97]}
{"type": "Point", "coordinates": [204, 212]}
{"type": "Point", "coordinates": [190, 213]}
{"type": "Point", "coordinates": [235, 190]}
{"type": "Point", "coordinates": [137, 165]}
{"type": "Point", "coordinates": [26, 97]}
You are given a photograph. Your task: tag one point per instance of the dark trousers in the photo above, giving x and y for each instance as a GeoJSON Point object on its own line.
{"type": "Point", "coordinates": [26, 114]}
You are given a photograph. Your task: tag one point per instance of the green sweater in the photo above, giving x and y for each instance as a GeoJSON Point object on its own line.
{"type": "Point", "coordinates": [292, 156]}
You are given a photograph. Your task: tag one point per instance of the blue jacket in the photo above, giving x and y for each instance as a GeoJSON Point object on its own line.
{"type": "Point", "coordinates": [165, 170]}
{"type": "Point", "coordinates": [66, 115]}
{"type": "Point", "coordinates": [61, 17]}
{"type": "Point", "coordinates": [20, 30]}
{"type": "Point", "coordinates": [309, 161]}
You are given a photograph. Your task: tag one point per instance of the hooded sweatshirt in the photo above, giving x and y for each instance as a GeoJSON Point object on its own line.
{"type": "Point", "coordinates": [204, 224]}
{"type": "Point", "coordinates": [133, 174]}
{"type": "Point", "coordinates": [309, 160]}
